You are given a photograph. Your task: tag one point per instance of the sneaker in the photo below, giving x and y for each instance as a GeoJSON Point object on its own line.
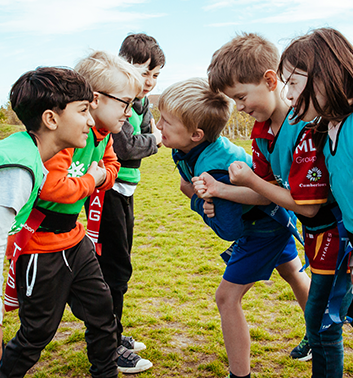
{"type": "Point", "coordinates": [302, 352]}
{"type": "Point", "coordinates": [131, 363]}
{"type": "Point", "coordinates": [130, 343]}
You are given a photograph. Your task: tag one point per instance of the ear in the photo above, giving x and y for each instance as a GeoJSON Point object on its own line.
{"type": "Point", "coordinates": [95, 102]}
{"type": "Point", "coordinates": [197, 135]}
{"type": "Point", "coordinates": [49, 119]}
{"type": "Point", "coordinates": [271, 79]}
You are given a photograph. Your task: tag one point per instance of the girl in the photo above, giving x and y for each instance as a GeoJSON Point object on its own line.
{"type": "Point", "coordinates": [318, 68]}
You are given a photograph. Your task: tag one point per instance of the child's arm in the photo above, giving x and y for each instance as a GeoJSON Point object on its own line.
{"type": "Point", "coordinates": [225, 223]}
{"type": "Point", "coordinates": [241, 174]}
{"type": "Point", "coordinates": [110, 165]}
{"type": "Point", "coordinates": [186, 188]}
{"type": "Point", "coordinates": [206, 186]}
{"type": "Point", "coordinates": [133, 147]}
{"type": "Point", "coordinates": [224, 217]}
{"type": "Point", "coordinates": [15, 188]}
{"type": "Point", "coordinates": [60, 188]}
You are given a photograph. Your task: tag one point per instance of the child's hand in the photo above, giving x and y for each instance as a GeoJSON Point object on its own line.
{"type": "Point", "coordinates": [205, 186]}
{"type": "Point", "coordinates": [208, 208]}
{"type": "Point", "coordinates": [239, 173]}
{"type": "Point", "coordinates": [199, 186]}
{"type": "Point", "coordinates": [157, 133]}
{"type": "Point", "coordinates": [98, 172]}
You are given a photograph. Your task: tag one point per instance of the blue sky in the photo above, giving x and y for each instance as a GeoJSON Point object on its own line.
{"type": "Point", "coordinates": [58, 33]}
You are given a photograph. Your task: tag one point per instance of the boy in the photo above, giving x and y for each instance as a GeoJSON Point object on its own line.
{"type": "Point", "coordinates": [192, 117]}
{"type": "Point", "coordinates": [73, 275]}
{"type": "Point", "coordinates": [138, 139]}
{"type": "Point", "coordinates": [44, 100]}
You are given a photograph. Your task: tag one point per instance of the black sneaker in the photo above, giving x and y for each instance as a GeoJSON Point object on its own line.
{"type": "Point", "coordinates": [302, 352]}
{"type": "Point", "coordinates": [130, 343]}
{"type": "Point", "coordinates": [131, 363]}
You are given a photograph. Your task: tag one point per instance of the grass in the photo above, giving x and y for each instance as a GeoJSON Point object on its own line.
{"type": "Point", "coordinates": [170, 303]}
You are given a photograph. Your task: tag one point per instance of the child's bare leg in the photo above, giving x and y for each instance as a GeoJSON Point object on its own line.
{"type": "Point", "coordinates": [234, 326]}
{"type": "Point", "coordinates": [299, 281]}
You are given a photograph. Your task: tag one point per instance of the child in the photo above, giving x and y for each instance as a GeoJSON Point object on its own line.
{"type": "Point", "coordinates": [320, 80]}
{"type": "Point", "coordinates": [138, 138]}
{"type": "Point", "coordinates": [192, 118]}
{"type": "Point", "coordinates": [288, 152]}
{"type": "Point", "coordinates": [59, 261]}
{"type": "Point", "coordinates": [45, 100]}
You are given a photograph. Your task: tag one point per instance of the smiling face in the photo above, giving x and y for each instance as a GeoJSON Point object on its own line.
{"type": "Point", "coordinates": [109, 113]}
{"type": "Point", "coordinates": [174, 133]}
{"type": "Point", "coordinates": [257, 100]}
{"type": "Point", "coordinates": [73, 124]}
{"type": "Point", "coordinates": [149, 76]}
{"type": "Point", "coordinates": [296, 81]}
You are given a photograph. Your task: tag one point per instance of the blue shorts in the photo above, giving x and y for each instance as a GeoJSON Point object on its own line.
{"type": "Point", "coordinates": [255, 257]}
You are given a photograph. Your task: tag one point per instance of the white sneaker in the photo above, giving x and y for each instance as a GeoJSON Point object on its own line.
{"type": "Point", "coordinates": [131, 344]}
{"type": "Point", "coordinates": [130, 362]}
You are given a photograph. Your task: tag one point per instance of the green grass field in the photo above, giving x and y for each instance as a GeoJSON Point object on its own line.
{"type": "Point", "coordinates": [170, 303]}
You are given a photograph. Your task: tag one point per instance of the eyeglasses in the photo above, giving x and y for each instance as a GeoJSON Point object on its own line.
{"type": "Point", "coordinates": [129, 105]}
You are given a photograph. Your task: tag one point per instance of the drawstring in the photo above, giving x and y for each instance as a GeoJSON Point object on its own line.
{"type": "Point", "coordinates": [33, 259]}
{"type": "Point", "coordinates": [67, 264]}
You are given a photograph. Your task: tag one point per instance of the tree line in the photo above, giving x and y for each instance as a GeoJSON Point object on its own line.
{"type": "Point", "coordinates": [7, 115]}
{"type": "Point", "coordinates": [239, 124]}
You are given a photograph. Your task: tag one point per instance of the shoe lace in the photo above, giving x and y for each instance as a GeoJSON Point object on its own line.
{"type": "Point", "coordinates": [303, 343]}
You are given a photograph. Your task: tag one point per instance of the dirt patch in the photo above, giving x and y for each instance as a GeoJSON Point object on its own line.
{"type": "Point", "coordinates": [67, 329]}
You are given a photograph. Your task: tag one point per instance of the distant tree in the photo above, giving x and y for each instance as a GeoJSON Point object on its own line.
{"type": "Point", "coordinates": [11, 116]}
{"type": "Point", "coordinates": [3, 117]}
{"type": "Point", "coordinates": [155, 112]}
{"type": "Point", "coordinates": [239, 125]}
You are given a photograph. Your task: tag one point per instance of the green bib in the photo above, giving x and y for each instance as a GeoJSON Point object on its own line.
{"type": "Point", "coordinates": [81, 161]}
{"type": "Point", "coordinates": [19, 150]}
{"type": "Point", "coordinates": [132, 174]}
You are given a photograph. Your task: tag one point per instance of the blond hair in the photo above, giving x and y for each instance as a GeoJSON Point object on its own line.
{"type": "Point", "coordinates": [196, 106]}
{"type": "Point", "coordinates": [100, 69]}
{"type": "Point", "coordinates": [244, 59]}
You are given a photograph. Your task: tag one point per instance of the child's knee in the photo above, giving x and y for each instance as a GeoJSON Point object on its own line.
{"type": "Point", "coordinates": [226, 298]}
{"type": "Point", "coordinates": [221, 298]}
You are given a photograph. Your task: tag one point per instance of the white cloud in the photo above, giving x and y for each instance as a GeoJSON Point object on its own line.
{"type": "Point", "coordinates": [173, 73]}
{"type": "Point", "coordinates": [66, 16]}
{"type": "Point", "coordinates": [280, 11]}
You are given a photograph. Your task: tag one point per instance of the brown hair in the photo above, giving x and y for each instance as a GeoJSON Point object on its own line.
{"type": "Point", "coordinates": [327, 58]}
{"type": "Point", "coordinates": [196, 106]}
{"type": "Point", "coordinates": [47, 88]}
{"type": "Point", "coordinates": [139, 48]}
{"type": "Point", "coordinates": [244, 59]}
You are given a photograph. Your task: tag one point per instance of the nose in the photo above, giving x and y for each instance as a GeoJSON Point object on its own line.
{"type": "Point", "coordinates": [240, 106]}
{"type": "Point", "coordinates": [128, 113]}
{"type": "Point", "coordinates": [159, 125]}
{"type": "Point", "coordinates": [90, 120]}
{"type": "Point", "coordinates": [289, 94]}
{"type": "Point", "coordinates": [148, 81]}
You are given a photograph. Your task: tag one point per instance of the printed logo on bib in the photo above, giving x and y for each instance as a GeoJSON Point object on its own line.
{"type": "Point", "coordinates": [76, 169]}
{"type": "Point", "coordinates": [314, 174]}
